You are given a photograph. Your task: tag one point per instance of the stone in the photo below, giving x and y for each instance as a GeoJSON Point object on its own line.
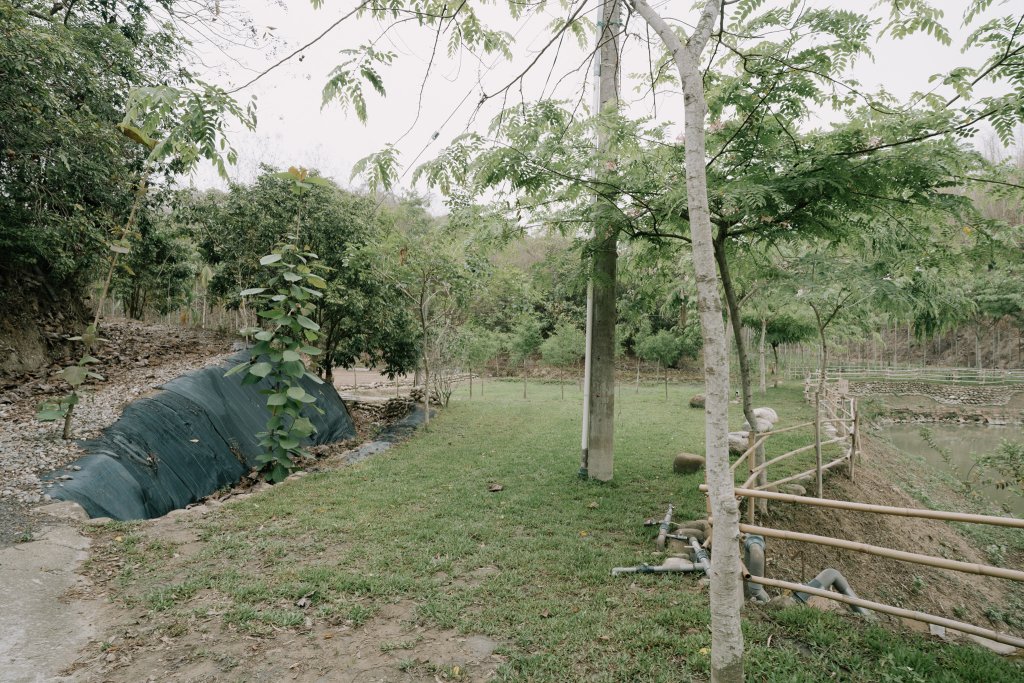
{"type": "Point", "coordinates": [65, 509]}
{"type": "Point", "coordinates": [697, 401]}
{"type": "Point", "coordinates": [687, 463]}
{"type": "Point", "coordinates": [793, 489]}
{"type": "Point", "coordinates": [765, 413]}
{"type": "Point", "coordinates": [738, 443]}
{"type": "Point", "coordinates": [763, 425]}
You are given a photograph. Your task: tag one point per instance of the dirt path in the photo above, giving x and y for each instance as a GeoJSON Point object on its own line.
{"type": "Point", "coordinates": [42, 628]}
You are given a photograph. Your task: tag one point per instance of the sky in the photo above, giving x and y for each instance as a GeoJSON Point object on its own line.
{"type": "Point", "coordinates": [293, 128]}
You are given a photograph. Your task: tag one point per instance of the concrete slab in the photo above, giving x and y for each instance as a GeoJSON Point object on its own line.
{"type": "Point", "coordinates": [41, 632]}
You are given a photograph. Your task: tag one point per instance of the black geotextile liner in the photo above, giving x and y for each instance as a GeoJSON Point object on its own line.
{"type": "Point", "coordinates": [193, 437]}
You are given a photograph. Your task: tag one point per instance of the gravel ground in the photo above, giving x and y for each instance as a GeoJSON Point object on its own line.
{"type": "Point", "coordinates": [134, 361]}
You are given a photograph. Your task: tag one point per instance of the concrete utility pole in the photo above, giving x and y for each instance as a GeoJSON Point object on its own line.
{"type": "Point", "coordinates": [597, 456]}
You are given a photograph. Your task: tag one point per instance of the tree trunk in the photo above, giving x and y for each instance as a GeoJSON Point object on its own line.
{"type": "Point", "coordinates": [638, 375]}
{"type": "Point", "coordinates": [726, 593]}
{"type": "Point", "coordinates": [977, 345]}
{"type": "Point", "coordinates": [524, 377]}
{"type": "Point", "coordinates": [601, 406]}
{"type": "Point", "coordinates": [561, 382]}
{"type": "Point", "coordinates": [471, 382]}
{"type": "Point", "coordinates": [741, 355]}
{"type": "Point", "coordinates": [761, 353]}
{"type": "Point", "coordinates": [775, 365]}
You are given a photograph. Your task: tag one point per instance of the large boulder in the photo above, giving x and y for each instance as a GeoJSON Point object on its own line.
{"type": "Point", "coordinates": [762, 425]}
{"type": "Point", "coordinates": [687, 463]}
{"type": "Point", "coordinates": [739, 442]}
{"type": "Point", "coordinates": [697, 401]}
{"type": "Point", "coordinates": [765, 413]}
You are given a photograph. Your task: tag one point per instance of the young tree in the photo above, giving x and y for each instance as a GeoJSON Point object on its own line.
{"type": "Point", "coordinates": [664, 348]}
{"type": "Point", "coordinates": [356, 312]}
{"type": "Point", "coordinates": [563, 349]}
{"type": "Point", "coordinates": [477, 348]}
{"type": "Point", "coordinates": [524, 341]}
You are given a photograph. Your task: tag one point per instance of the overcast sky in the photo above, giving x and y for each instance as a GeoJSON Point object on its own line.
{"type": "Point", "coordinates": [294, 130]}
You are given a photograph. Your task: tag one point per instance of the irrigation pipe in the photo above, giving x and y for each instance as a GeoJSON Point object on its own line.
{"type": "Point", "coordinates": [1004, 638]}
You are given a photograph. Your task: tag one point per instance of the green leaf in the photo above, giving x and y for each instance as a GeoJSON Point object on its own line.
{"type": "Point", "coordinates": [290, 356]}
{"type": "Point", "coordinates": [252, 290]}
{"type": "Point", "coordinates": [307, 323]}
{"type": "Point", "coordinates": [296, 393]}
{"type": "Point", "coordinates": [272, 314]}
{"type": "Point", "coordinates": [316, 281]}
{"type": "Point", "coordinates": [260, 369]}
{"type": "Point", "coordinates": [292, 276]}
{"type": "Point", "coordinates": [269, 259]}
{"type": "Point", "coordinates": [311, 350]}
{"type": "Point", "coordinates": [277, 399]}
{"type": "Point", "coordinates": [50, 415]}
{"type": "Point", "coordinates": [303, 427]}
{"type": "Point", "coordinates": [288, 443]}
{"type": "Point", "coordinates": [313, 378]}
{"type": "Point", "coordinates": [74, 375]}
{"type": "Point", "coordinates": [264, 335]}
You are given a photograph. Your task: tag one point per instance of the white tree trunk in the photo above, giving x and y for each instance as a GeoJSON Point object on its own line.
{"type": "Point", "coordinates": [726, 578]}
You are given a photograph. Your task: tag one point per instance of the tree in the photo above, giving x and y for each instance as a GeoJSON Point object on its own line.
{"type": "Point", "coordinates": [356, 313]}
{"type": "Point", "coordinates": [160, 271]}
{"type": "Point", "coordinates": [478, 347]}
{"type": "Point", "coordinates": [563, 349]}
{"type": "Point", "coordinates": [435, 265]}
{"type": "Point", "coordinates": [726, 588]}
{"type": "Point", "coordinates": [664, 348]}
{"type": "Point", "coordinates": [524, 341]}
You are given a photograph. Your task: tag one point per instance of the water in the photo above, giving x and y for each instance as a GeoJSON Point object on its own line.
{"type": "Point", "coordinates": [964, 443]}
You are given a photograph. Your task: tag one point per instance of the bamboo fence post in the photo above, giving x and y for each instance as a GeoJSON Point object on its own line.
{"type": "Point", "coordinates": [751, 446]}
{"type": "Point", "coordinates": [854, 437]}
{"type": "Point", "coordinates": [817, 443]}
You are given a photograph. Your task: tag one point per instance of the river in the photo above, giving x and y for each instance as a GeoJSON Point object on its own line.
{"type": "Point", "coordinates": [964, 443]}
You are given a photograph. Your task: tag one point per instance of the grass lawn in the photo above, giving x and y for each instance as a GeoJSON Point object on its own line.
{"type": "Point", "coordinates": [529, 565]}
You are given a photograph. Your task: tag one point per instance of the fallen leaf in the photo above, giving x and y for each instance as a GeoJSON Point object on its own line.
{"type": "Point", "coordinates": [494, 488]}
{"type": "Point", "coordinates": [328, 636]}
{"type": "Point", "coordinates": [593, 505]}
{"type": "Point", "coordinates": [583, 534]}
{"type": "Point", "coordinates": [545, 614]}
{"type": "Point", "coordinates": [704, 650]}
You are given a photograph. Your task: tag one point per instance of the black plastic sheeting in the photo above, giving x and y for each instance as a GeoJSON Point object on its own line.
{"type": "Point", "coordinates": [193, 437]}
{"type": "Point", "coordinates": [389, 436]}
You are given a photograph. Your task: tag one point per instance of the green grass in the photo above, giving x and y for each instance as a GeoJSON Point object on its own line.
{"type": "Point", "coordinates": [416, 522]}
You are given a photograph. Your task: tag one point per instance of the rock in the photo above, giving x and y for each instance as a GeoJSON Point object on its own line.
{"type": "Point", "coordinates": [697, 401]}
{"type": "Point", "coordinates": [793, 489]}
{"type": "Point", "coordinates": [782, 601]}
{"type": "Point", "coordinates": [766, 414]}
{"type": "Point", "coordinates": [738, 443]}
{"type": "Point", "coordinates": [687, 463]}
{"type": "Point", "coordinates": [763, 425]}
{"type": "Point", "coordinates": [65, 509]}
